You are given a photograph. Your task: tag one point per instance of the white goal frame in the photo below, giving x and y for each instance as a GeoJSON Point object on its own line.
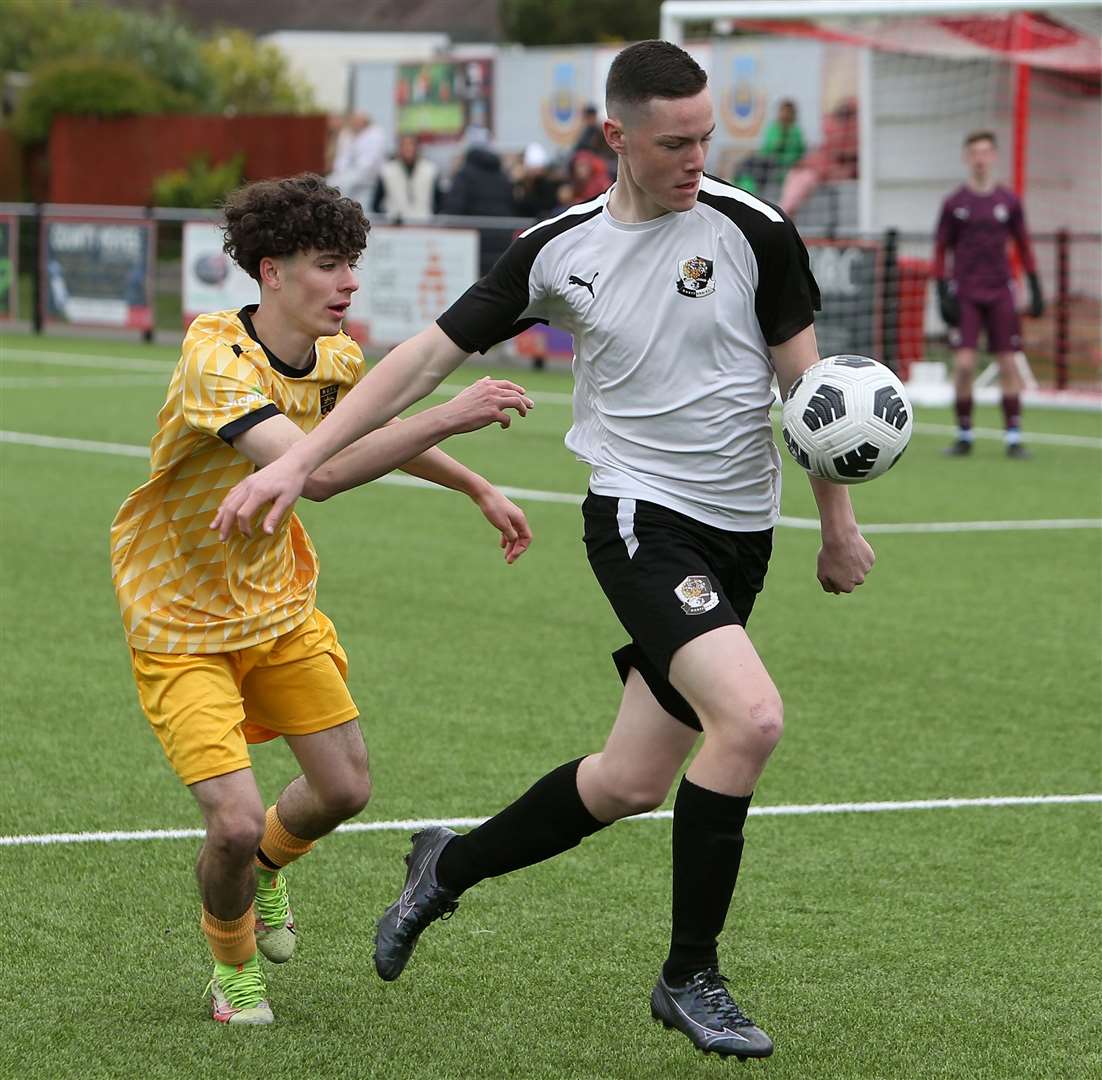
{"type": "Point", "coordinates": [675, 14]}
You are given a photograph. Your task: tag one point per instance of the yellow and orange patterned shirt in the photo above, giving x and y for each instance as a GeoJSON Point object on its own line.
{"type": "Point", "coordinates": [180, 588]}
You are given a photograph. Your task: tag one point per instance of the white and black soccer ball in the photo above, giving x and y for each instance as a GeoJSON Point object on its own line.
{"type": "Point", "coordinates": [847, 419]}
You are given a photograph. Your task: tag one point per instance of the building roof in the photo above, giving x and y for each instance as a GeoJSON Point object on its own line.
{"type": "Point", "coordinates": [471, 20]}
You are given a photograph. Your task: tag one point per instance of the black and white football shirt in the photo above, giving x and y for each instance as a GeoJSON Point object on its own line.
{"type": "Point", "coordinates": [672, 322]}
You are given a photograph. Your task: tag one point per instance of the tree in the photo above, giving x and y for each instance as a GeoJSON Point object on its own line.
{"type": "Point", "coordinates": [91, 87]}
{"type": "Point", "coordinates": [74, 50]}
{"type": "Point", "coordinates": [578, 22]}
{"type": "Point", "coordinates": [37, 32]}
{"type": "Point", "coordinates": [247, 76]}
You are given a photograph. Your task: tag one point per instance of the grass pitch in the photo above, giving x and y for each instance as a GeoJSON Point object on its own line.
{"type": "Point", "coordinates": [907, 944]}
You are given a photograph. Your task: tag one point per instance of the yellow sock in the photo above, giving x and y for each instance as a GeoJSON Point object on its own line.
{"type": "Point", "coordinates": [232, 941]}
{"type": "Point", "coordinates": [279, 846]}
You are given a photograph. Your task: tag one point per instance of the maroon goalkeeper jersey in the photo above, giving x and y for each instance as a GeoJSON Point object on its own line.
{"type": "Point", "coordinates": [975, 229]}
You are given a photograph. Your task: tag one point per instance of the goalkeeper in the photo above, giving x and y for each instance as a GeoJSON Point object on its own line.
{"type": "Point", "coordinates": [978, 291]}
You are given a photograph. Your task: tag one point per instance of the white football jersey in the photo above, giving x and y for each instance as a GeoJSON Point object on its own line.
{"type": "Point", "coordinates": [672, 322]}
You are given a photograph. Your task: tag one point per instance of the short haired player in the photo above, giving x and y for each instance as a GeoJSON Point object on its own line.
{"type": "Point", "coordinates": [976, 292]}
{"type": "Point", "coordinates": [226, 643]}
{"type": "Point", "coordinates": [685, 297]}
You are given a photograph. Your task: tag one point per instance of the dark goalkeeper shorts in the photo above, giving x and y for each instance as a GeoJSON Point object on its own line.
{"type": "Point", "coordinates": [995, 314]}
{"type": "Point", "coordinates": [670, 579]}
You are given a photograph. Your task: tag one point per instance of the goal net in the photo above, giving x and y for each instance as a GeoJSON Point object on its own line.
{"type": "Point", "coordinates": [884, 94]}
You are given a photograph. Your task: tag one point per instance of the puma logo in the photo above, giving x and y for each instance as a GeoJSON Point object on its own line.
{"type": "Point", "coordinates": [575, 280]}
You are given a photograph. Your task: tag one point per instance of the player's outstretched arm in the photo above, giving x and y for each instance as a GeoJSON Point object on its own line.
{"type": "Point", "coordinates": [505, 516]}
{"type": "Point", "coordinates": [378, 452]}
{"type": "Point", "coordinates": [403, 376]}
{"type": "Point", "coordinates": [845, 556]}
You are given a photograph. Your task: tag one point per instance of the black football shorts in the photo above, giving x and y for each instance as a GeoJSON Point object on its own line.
{"type": "Point", "coordinates": [670, 579]}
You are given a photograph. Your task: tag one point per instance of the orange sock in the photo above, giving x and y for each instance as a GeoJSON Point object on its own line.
{"type": "Point", "coordinates": [278, 845]}
{"type": "Point", "coordinates": [233, 941]}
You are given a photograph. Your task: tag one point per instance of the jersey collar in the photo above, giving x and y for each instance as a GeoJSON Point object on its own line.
{"type": "Point", "coordinates": [245, 315]}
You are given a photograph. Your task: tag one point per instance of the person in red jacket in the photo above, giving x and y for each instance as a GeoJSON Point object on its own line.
{"type": "Point", "coordinates": [977, 291]}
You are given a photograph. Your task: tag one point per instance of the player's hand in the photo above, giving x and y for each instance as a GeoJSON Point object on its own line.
{"type": "Point", "coordinates": [509, 520]}
{"type": "Point", "coordinates": [948, 304]}
{"type": "Point", "coordinates": [843, 562]}
{"type": "Point", "coordinates": [279, 483]}
{"type": "Point", "coordinates": [485, 402]}
{"type": "Point", "coordinates": [1036, 297]}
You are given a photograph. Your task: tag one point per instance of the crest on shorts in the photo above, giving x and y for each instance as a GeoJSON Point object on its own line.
{"type": "Point", "coordinates": [694, 276]}
{"type": "Point", "coordinates": [696, 595]}
{"type": "Point", "coordinates": [328, 398]}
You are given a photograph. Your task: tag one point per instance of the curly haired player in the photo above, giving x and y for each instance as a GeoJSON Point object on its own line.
{"type": "Point", "coordinates": [227, 646]}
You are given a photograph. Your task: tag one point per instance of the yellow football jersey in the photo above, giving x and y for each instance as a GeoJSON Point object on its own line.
{"type": "Point", "coordinates": [180, 588]}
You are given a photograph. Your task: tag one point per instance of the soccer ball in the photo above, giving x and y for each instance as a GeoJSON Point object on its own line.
{"type": "Point", "coordinates": [847, 419]}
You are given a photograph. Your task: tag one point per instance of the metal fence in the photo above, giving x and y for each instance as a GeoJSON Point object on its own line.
{"type": "Point", "coordinates": [875, 288]}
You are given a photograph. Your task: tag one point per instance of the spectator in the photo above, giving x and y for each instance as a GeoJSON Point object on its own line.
{"type": "Point", "coordinates": [480, 188]}
{"type": "Point", "coordinates": [358, 157]}
{"type": "Point", "coordinates": [535, 187]}
{"type": "Point", "coordinates": [589, 176]}
{"type": "Point", "coordinates": [781, 148]}
{"type": "Point", "coordinates": [334, 135]}
{"type": "Point", "coordinates": [592, 138]}
{"type": "Point", "coordinates": [408, 187]}
{"type": "Point", "coordinates": [835, 160]}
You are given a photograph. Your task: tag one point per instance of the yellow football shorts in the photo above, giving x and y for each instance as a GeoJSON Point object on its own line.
{"type": "Point", "coordinates": [205, 708]}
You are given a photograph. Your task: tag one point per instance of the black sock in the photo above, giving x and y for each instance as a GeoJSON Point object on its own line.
{"type": "Point", "coordinates": [266, 861]}
{"type": "Point", "coordinates": [547, 819]}
{"type": "Point", "coordinates": [707, 847]}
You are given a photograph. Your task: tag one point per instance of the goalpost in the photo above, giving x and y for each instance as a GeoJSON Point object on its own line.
{"type": "Point", "coordinates": [923, 74]}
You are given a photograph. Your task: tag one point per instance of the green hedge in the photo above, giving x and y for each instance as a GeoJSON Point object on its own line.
{"type": "Point", "coordinates": [200, 184]}
{"type": "Point", "coordinates": [91, 87]}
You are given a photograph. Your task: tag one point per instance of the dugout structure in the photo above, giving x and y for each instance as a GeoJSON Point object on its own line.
{"type": "Point", "coordinates": [927, 72]}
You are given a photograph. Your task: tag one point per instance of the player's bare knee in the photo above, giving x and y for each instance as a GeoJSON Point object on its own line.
{"type": "Point", "coordinates": [234, 837]}
{"type": "Point", "coordinates": [348, 797]}
{"type": "Point", "coordinates": [753, 729]}
{"type": "Point", "coordinates": [628, 792]}
{"type": "Point", "coordinates": [766, 722]}
{"type": "Point", "coordinates": [639, 795]}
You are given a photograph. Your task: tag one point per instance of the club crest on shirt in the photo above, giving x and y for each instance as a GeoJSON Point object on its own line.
{"type": "Point", "coordinates": [694, 277]}
{"type": "Point", "coordinates": [696, 595]}
{"type": "Point", "coordinates": [328, 398]}
{"type": "Point", "coordinates": [1001, 213]}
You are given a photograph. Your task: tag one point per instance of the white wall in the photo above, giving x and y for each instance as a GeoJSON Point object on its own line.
{"type": "Point", "coordinates": [325, 60]}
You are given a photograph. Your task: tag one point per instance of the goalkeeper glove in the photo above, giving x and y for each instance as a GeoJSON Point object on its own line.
{"type": "Point", "coordinates": [947, 303]}
{"type": "Point", "coordinates": [1036, 297]}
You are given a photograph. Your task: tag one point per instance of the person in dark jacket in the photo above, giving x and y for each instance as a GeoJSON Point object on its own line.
{"type": "Point", "coordinates": [480, 188]}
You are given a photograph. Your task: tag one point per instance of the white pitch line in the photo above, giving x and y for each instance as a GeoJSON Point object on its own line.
{"type": "Point", "coordinates": [83, 382]}
{"type": "Point", "coordinates": [791, 810]}
{"type": "Point", "coordinates": [129, 364]}
{"type": "Point", "coordinates": [1090, 442]}
{"type": "Point", "coordinates": [89, 360]}
{"type": "Point", "coordinates": [86, 446]}
{"type": "Point", "coordinates": [53, 442]}
{"type": "Point", "coordinates": [912, 528]}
